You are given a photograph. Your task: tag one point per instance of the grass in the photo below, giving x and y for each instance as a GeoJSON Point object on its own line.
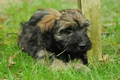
{"type": "Point", "coordinates": [26, 68]}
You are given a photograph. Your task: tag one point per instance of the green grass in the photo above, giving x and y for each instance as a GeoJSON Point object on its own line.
{"type": "Point", "coordinates": [26, 67]}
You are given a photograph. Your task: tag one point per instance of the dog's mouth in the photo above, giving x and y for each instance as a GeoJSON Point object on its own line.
{"type": "Point", "coordinates": [82, 48]}
{"type": "Point", "coordinates": [76, 49]}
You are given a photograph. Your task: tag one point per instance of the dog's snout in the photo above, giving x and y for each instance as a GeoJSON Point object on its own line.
{"type": "Point", "coordinates": [82, 46]}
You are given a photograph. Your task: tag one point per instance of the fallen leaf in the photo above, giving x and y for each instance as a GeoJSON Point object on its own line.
{"type": "Point", "coordinates": [1, 27]}
{"type": "Point", "coordinates": [105, 58]}
{"type": "Point", "coordinates": [103, 30]}
{"type": "Point", "coordinates": [2, 18]}
{"type": "Point", "coordinates": [10, 62]}
{"type": "Point", "coordinates": [15, 56]}
{"type": "Point", "coordinates": [10, 59]}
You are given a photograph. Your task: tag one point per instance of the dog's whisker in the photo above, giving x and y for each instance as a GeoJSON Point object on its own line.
{"type": "Point", "coordinates": [61, 53]}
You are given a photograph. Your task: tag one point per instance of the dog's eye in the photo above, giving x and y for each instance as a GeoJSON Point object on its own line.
{"type": "Point", "coordinates": [69, 31]}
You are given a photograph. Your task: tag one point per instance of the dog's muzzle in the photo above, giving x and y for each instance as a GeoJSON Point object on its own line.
{"type": "Point", "coordinates": [82, 46]}
{"type": "Point", "coordinates": [78, 42]}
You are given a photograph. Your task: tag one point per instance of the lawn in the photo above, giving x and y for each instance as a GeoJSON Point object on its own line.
{"type": "Point", "coordinates": [26, 68]}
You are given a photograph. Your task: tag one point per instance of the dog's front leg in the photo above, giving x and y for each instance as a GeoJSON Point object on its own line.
{"type": "Point", "coordinates": [84, 59]}
{"type": "Point", "coordinates": [78, 65]}
{"type": "Point", "coordinates": [43, 56]}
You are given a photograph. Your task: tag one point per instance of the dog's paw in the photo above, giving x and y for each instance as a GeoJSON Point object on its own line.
{"type": "Point", "coordinates": [58, 65]}
{"type": "Point", "coordinates": [79, 66]}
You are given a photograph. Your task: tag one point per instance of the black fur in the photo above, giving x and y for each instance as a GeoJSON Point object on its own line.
{"type": "Point", "coordinates": [72, 38]}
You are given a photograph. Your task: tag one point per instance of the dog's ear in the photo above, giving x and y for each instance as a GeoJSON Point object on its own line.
{"type": "Point", "coordinates": [45, 27]}
{"type": "Point", "coordinates": [47, 23]}
{"type": "Point", "coordinates": [37, 16]}
{"type": "Point", "coordinates": [53, 12]}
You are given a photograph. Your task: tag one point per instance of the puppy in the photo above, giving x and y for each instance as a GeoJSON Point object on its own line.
{"type": "Point", "coordinates": [59, 34]}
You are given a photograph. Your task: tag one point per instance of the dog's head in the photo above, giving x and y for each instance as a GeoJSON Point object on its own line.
{"type": "Point", "coordinates": [68, 30]}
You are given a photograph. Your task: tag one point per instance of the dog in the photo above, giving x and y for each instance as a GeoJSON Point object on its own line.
{"type": "Point", "coordinates": [60, 34]}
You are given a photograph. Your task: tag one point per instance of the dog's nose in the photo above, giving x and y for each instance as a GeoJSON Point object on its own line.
{"type": "Point", "coordinates": [82, 46]}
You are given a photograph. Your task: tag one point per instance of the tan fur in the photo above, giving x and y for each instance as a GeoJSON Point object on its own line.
{"type": "Point", "coordinates": [69, 19]}
{"type": "Point", "coordinates": [48, 20]}
{"type": "Point", "coordinates": [53, 12]}
{"type": "Point", "coordinates": [47, 23]}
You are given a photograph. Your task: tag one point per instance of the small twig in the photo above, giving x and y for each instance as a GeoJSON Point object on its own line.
{"type": "Point", "coordinates": [10, 59]}
{"type": "Point", "coordinates": [61, 52]}
{"type": "Point", "coordinates": [11, 34]}
{"type": "Point", "coordinates": [106, 33]}
{"type": "Point", "coordinates": [18, 52]}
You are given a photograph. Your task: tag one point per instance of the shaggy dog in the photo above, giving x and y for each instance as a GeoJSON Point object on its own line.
{"type": "Point", "coordinates": [50, 33]}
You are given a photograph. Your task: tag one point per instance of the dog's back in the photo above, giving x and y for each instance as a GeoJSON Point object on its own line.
{"type": "Point", "coordinates": [28, 28]}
